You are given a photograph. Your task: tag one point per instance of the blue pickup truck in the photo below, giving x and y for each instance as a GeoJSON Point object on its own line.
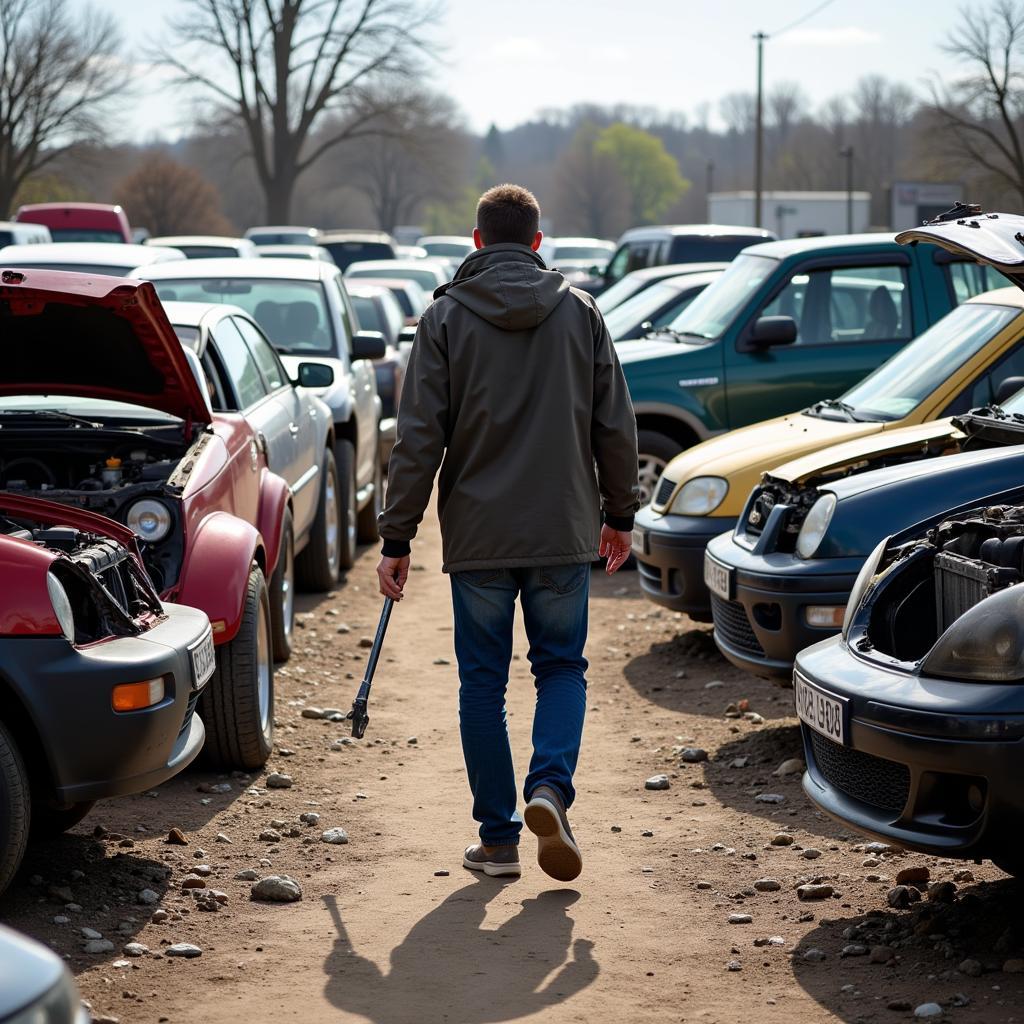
{"type": "Point", "coordinates": [788, 324]}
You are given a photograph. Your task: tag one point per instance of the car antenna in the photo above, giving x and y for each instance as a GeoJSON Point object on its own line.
{"type": "Point", "coordinates": [957, 212]}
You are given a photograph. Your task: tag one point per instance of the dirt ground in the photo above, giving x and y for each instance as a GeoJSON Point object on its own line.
{"type": "Point", "coordinates": [391, 929]}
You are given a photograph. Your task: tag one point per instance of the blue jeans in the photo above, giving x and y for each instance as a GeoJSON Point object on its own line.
{"type": "Point", "coordinates": [554, 600]}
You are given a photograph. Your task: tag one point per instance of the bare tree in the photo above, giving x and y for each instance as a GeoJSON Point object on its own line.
{"type": "Point", "coordinates": [170, 198]}
{"type": "Point", "coordinates": [978, 117]}
{"type": "Point", "coordinates": [57, 74]}
{"type": "Point", "coordinates": [291, 63]}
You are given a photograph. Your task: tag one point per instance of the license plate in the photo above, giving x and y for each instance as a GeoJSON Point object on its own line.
{"type": "Point", "coordinates": [718, 578]}
{"type": "Point", "coordinates": [204, 660]}
{"type": "Point", "coordinates": [640, 541]}
{"type": "Point", "coordinates": [823, 712]}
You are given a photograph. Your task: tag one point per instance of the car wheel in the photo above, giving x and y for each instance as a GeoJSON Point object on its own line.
{"type": "Point", "coordinates": [15, 807]}
{"type": "Point", "coordinates": [49, 820]}
{"type": "Point", "coordinates": [368, 529]}
{"type": "Point", "coordinates": [319, 563]}
{"type": "Point", "coordinates": [656, 451]}
{"type": "Point", "coordinates": [237, 706]}
{"type": "Point", "coordinates": [345, 456]}
{"type": "Point", "coordinates": [282, 593]}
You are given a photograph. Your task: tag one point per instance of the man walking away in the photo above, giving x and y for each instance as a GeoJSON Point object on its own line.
{"type": "Point", "coordinates": [514, 382]}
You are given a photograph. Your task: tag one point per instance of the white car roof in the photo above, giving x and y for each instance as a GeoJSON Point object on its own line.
{"type": "Point", "coordinates": [173, 240]}
{"type": "Point", "coordinates": [433, 264]}
{"type": "Point", "coordinates": [462, 239]}
{"type": "Point", "coordinates": [112, 254]}
{"type": "Point", "coordinates": [310, 252]}
{"type": "Point", "coordinates": [597, 243]}
{"type": "Point", "coordinates": [278, 227]}
{"type": "Point", "coordinates": [235, 266]}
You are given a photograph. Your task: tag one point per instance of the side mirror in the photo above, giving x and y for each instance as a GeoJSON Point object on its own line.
{"type": "Point", "coordinates": [314, 375]}
{"type": "Point", "coordinates": [407, 335]}
{"type": "Point", "coordinates": [774, 330]}
{"type": "Point", "coordinates": [1008, 388]}
{"type": "Point", "coordinates": [369, 345]}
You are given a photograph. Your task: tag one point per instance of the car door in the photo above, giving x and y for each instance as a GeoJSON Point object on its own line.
{"type": "Point", "coordinates": [301, 461]}
{"type": "Point", "coordinates": [851, 315]}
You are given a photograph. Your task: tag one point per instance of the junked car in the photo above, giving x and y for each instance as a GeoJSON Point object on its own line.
{"type": "Point", "coordinates": [634, 283]}
{"type": "Point", "coordinates": [295, 252]}
{"type": "Point", "coordinates": [110, 258]}
{"type": "Point", "coordinates": [100, 679]}
{"type": "Point", "coordinates": [244, 374]}
{"type": "Point", "coordinates": [913, 718]}
{"type": "Point", "coordinates": [780, 580]}
{"type": "Point", "coordinates": [303, 307]}
{"type": "Point", "coordinates": [206, 247]}
{"type": "Point", "coordinates": [35, 985]}
{"type": "Point", "coordinates": [656, 306]}
{"type": "Point", "coordinates": [428, 273]}
{"type": "Point", "coordinates": [103, 409]}
{"type": "Point", "coordinates": [350, 246]}
{"type": "Point", "coordinates": [972, 355]}
{"type": "Point", "coordinates": [283, 234]}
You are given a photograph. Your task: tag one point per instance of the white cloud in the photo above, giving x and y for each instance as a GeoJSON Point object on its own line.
{"type": "Point", "coordinates": [851, 35]}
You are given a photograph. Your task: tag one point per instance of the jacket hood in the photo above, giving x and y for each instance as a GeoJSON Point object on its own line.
{"type": "Point", "coordinates": [507, 285]}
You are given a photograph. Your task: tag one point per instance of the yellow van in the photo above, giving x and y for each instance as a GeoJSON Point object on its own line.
{"type": "Point", "coordinates": [973, 356]}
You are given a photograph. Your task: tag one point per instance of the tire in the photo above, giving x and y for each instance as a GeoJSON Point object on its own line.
{"type": "Point", "coordinates": [345, 458]}
{"type": "Point", "coordinates": [366, 524]}
{"type": "Point", "coordinates": [49, 821]}
{"type": "Point", "coordinates": [15, 808]}
{"type": "Point", "coordinates": [1012, 864]}
{"type": "Point", "coordinates": [282, 593]}
{"type": "Point", "coordinates": [656, 451]}
{"type": "Point", "coordinates": [237, 706]}
{"type": "Point", "coordinates": [319, 563]}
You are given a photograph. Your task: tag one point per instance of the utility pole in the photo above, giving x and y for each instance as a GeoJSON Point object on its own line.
{"type": "Point", "coordinates": [710, 184]}
{"type": "Point", "coordinates": [759, 130]}
{"type": "Point", "coordinates": [847, 154]}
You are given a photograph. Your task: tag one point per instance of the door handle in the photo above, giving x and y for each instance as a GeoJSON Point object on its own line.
{"type": "Point", "coordinates": [293, 429]}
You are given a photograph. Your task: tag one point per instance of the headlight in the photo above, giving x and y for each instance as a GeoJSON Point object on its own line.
{"type": "Point", "coordinates": [149, 520]}
{"type": "Point", "coordinates": [815, 525]}
{"type": "Point", "coordinates": [860, 585]}
{"type": "Point", "coordinates": [985, 644]}
{"type": "Point", "coordinates": [59, 1005]}
{"type": "Point", "coordinates": [699, 496]}
{"type": "Point", "coordinates": [61, 605]}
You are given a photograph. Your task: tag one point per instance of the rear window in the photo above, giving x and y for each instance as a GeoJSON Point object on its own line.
{"type": "Point", "coordinates": [368, 313]}
{"type": "Point", "coordinates": [207, 252]}
{"type": "Point", "coordinates": [346, 253]}
{"type": "Point", "coordinates": [85, 235]}
{"type": "Point", "coordinates": [702, 249]}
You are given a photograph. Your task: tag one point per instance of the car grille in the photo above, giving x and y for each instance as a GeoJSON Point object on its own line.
{"type": "Point", "coordinates": [664, 492]}
{"type": "Point", "coordinates": [190, 710]}
{"type": "Point", "coordinates": [733, 625]}
{"type": "Point", "coordinates": [872, 780]}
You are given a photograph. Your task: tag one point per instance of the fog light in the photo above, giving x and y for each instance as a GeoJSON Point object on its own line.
{"type": "Point", "coordinates": [136, 696]}
{"type": "Point", "coordinates": [825, 616]}
{"type": "Point", "coordinates": [975, 798]}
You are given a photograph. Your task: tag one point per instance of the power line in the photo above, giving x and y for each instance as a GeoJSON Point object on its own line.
{"type": "Point", "coordinates": [801, 20]}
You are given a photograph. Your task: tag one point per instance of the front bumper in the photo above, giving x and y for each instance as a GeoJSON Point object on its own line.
{"type": "Point", "coordinates": [762, 625]}
{"type": "Point", "coordinates": [916, 769]}
{"type": "Point", "coordinates": [94, 752]}
{"type": "Point", "coordinates": [669, 552]}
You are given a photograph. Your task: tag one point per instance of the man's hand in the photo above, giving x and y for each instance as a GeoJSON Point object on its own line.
{"type": "Point", "coordinates": [392, 573]}
{"type": "Point", "coordinates": [615, 547]}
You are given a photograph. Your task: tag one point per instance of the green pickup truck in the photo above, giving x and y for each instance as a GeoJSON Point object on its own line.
{"type": "Point", "coordinates": [788, 324]}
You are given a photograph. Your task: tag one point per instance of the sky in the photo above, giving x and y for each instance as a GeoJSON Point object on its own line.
{"type": "Point", "coordinates": [502, 61]}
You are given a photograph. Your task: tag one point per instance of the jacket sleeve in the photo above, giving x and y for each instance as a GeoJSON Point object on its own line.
{"type": "Point", "coordinates": [422, 435]}
{"type": "Point", "coordinates": [613, 434]}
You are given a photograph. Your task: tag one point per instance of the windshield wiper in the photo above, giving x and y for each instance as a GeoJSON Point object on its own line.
{"type": "Point", "coordinates": [835, 404]}
{"type": "Point", "coordinates": [675, 335]}
{"type": "Point", "coordinates": [51, 414]}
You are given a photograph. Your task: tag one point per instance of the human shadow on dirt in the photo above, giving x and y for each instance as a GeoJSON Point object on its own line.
{"type": "Point", "coordinates": [653, 674]}
{"type": "Point", "coordinates": [102, 879]}
{"type": "Point", "coordinates": [743, 770]}
{"type": "Point", "coordinates": [920, 955]}
{"type": "Point", "coordinates": [450, 968]}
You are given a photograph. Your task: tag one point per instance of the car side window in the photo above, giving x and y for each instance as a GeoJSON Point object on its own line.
{"type": "Point", "coordinates": [969, 279]}
{"type": "Point", "coordinates": [222, 398]}
{"type": "Point", "coordinates": [264, 354]}
{"type": "Point", "coordinates": [846, 304]}
{"type": "Point", "coordinates": [239, 364]}
{"type": "Point", "coordinates": [346, 319]}
{"type": "Point", "coordinates": [618, 264]}
{"type": "Point", "coordinates": [983, 390]}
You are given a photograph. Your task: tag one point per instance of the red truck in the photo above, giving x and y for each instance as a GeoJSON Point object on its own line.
{"type": "Point", "coordinates": [78, 222]}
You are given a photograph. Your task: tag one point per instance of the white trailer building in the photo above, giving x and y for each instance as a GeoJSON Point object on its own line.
{"type": "Point", "coordinates": [793, 214]}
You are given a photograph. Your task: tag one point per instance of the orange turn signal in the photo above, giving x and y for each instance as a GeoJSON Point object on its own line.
{"type": "Point", "coordinates": [136, 696]}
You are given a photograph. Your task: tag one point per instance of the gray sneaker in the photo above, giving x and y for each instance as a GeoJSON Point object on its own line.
{"type": "Point", "coordinates": [557, 852]}
{"type": "Point", "coordinates": [496, 861]}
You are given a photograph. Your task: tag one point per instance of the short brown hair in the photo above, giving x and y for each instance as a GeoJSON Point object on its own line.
{"type": "Point", "coordinates": [508, 213]}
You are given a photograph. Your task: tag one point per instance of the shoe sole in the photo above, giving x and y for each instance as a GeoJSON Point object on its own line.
{"type": "Point", "coordinates": [557, 853]}
{"type": "Point", "coordinates": [489, 867]}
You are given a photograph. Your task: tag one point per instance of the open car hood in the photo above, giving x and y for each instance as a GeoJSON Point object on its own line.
{"type": "Point", "coordinates": [93, 337]}
{"type": "Point", "coordinates": [996, 239]}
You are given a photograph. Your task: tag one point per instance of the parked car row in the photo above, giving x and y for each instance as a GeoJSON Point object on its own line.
{"type": "Point", "coordinates": [878, 563]}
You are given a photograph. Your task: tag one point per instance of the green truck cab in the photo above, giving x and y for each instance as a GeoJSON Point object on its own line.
{"type": "Point", "coordinates": [788, 324]}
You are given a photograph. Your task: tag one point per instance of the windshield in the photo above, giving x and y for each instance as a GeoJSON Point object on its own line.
{"type": "Point", "coordinates": [280, 237]}
{"type": "Point", "coordinates": [293, 314]}
{"type": "Point", "coordinates": [346, 253]}
{"type": "Point", "coordinates": [711, 313]}
{"type": "Point", "coordinates": [458, 249]}
{"type": "Point", "coordinates": [640, 308]}
{"type": "Point", "coordinates": [620, 291]}
{"type": "Point", "coordinates": [426, 279]}
{"type": "Point", "coordinates": [85, 235]}
{"type": "Point", "coordinates": [904, 381]}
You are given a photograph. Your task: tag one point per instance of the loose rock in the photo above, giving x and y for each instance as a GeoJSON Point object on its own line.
{"type": "Point", "coordinates": [277, 889]}
{"type": "Point", "coordinates": [184, 949]}
{"type": "Point", "coordinates": [693, 755]}
{"type": "Point", "coordinates": [767, 885]}
{"type": "Point", "coordinates": [658, 782]}
{"type": "Point", "coordinates": [278, 780]}
{"type": "Point", "coordinates": [813, 891]}
{"type": "Point", "coordinates": [335, 836]}
{"type": "Point", "coordinates": [928, 1010]}
{"type": "Point", "coordinates": [909, 876]}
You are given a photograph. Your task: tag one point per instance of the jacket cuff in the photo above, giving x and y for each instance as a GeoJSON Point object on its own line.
{"type": "Point", "coordinates": [622, 523]}
{"type": "Point", "coordinates": [395, 548]}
